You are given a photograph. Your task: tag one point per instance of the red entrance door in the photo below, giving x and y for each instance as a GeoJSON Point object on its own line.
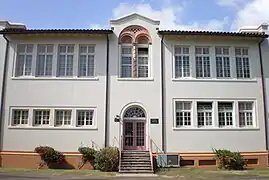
{"type": "Point", "coordinates": [134, 135]}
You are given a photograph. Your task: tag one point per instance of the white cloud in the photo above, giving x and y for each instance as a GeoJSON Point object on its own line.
{"type": "Point", "coordinates": [253, 13]}
{"type": "Point", "coordinates": [169, 16]}
{"type": "Point", "coordinates": [231, 3]}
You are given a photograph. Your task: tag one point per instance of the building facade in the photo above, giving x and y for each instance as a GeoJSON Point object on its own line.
{"type": "Point", "coordinates": [135, 87]}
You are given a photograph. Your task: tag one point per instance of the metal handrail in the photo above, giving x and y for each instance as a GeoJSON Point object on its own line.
{"type": "Point", "coordinates": [150, 151]}
{"type": "Point", "coordinates": [152, 141]}
{"type": "Point", "coordinates": [94, 145]}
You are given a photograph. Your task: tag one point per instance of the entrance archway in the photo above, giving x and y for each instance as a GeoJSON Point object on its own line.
{"type": "Point", "coordinates": [134, 128]}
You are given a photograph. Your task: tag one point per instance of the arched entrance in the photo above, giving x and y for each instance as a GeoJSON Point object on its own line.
{"type": "Point", "coordinates": [134, 128]}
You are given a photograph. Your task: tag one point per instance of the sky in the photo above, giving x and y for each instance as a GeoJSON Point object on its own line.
{"type": "Point", "coordinates": [214, 15]}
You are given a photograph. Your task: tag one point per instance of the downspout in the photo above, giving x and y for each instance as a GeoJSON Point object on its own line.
{"type": "Point", "coordinates": [263, 95]}
{"type": "Point", "coordinates": [3, 89]}
{"type": "Point", "coordinates": [163, 95]}
{"type": "Point", "coordinates": [107, 91]}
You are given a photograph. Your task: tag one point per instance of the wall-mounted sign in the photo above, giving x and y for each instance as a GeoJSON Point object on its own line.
{"type": "Point", "coordinates": [154, 121]}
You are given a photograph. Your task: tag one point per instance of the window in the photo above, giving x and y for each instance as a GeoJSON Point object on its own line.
{"type": "Point", "coordinates": [85, 117]}
{"type": "Point", "coordinates": [44, 60]}
{"type": "Point", "coordinates": [225, 114]}
{"type": "Point", "coordinates": [204, 113]}
{"type": "Point", "coordinates": [242, 63]}
{"type": "Point", "coordinates": [182, 62]}
{"type": "Point", "coordinates": [24, 60]}
{"type": "Point", "coordinates": [86, 61]}
{"type": "Point", "coordinates": [65, 60]}
{"type": "Point", "coordinates": [223, 62]}
{"type": "Point", "coordinates": [126, 62]}
{"type": "Point", "coordinates": [183, 114]}
{"type": "Point", "coordinates": [63, 117]}
{"type": "Point", "coordinates": [245, 114]}
{"type": "Point", "coordinates": [41, 117]}
{"type": "Point", "coordinates": [202, 62]}
{"type": "Point", "coordinates": [20, 116]}
{"type": "Point", "coordinates": [142, 64]}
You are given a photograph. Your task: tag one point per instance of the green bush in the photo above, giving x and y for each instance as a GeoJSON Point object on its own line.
{"type": "Point", "coordinates": [229, 160]}
{"type": "Point", "coordinates": [49, 156]}
{"type": "Point", "coordinates": [88, 154]}
{"type": "Point", "coordinates": [107, 159]}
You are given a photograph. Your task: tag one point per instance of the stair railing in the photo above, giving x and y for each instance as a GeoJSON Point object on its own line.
{"type": "Point", "coordinates": [150, 151]}
{"type": "Point", "coordinates": [95, 146]}
{"type": "Point", "coordinates": [158, 150]}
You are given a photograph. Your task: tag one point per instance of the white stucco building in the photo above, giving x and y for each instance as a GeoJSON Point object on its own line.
{"type": "Point", "coordinates": [136, 87]}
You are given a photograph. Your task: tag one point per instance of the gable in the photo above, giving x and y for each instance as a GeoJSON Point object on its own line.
{"type": "Point", "coordinates": [133, 17]}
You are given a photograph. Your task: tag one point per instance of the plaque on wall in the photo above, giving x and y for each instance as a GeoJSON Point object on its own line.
{"type": "Point", "coordinates": [154, 121]}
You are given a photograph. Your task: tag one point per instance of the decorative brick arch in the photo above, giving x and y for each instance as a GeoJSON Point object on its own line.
{"type": "Point", "coordinates": [136, 34]}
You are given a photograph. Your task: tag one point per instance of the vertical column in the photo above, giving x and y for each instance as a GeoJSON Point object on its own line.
{"type": "Point", "coordinates": [134, 60]}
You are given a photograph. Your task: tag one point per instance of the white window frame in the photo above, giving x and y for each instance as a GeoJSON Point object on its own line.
{"type": "Point", "coordinates": [225, 115]}
{"type": "Point", "coordinates": [222, 56]}
{"type": "Point", "coordinates": [242, 62]}
{"type": "Point", "coordinates": [45, 64]}
{"type": "Point", "coordinates": [66, 54]}
{"type": "Point", "coordinates": [148, 56]}
{"type": "Point", "coordinates": [42, 117]}
{"type": "Point", "coordinates": [84, 111]}
{"type": "Point", "coordinates": [205, 114]}
{"type": "Point", "coordinates": [183, 110]}
{"type": "Point", "coordinates": [25, 53]}
{"type": "Point", "coordinates": [182, 54]}
{"type": "Point", "coordinates": [202, 55]}
{"type": "Point", "coordinates": [253, 111]}
{"type": "Point", "coordinates": [12, 115]}
{"type": "Point", "coordinates": [120, 57]}
{"type": "Point", "coordinates": [63, 120]}
{"type": "Point", "coordinates": [87, 54]}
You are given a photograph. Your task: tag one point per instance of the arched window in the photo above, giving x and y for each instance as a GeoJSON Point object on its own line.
{"type": "Point", "coordinates": [134, 42]}
{"type": "Point", "coordinates": [134, 112]}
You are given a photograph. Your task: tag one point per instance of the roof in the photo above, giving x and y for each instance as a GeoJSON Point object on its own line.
{"type": "Point", "coordinates": [134, 16]}
{"type": "Point", "coordinates": [47, 31]}
{"type": "Point", "coordinates": [214, 33]}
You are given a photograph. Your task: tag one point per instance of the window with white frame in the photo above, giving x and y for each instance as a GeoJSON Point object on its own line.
{"type": "Point", "coordinates": [225, 114]}
{"type": "Point", "coordinates": [41, 117]}
{"type": "Point", "coordinates": [19, 117]}
{"type": "Point", "coordinates": [126, 62]}
{"type": "Point", "coordinates": [86, 61]}
{"type": "Point", "coordinates": [142, 61]}
{"type": "Point", "coordinates": [182, 62]}
{"type": "Point", "coordinates": [242, 63]}
{"type": "Point", "coordinates": [204, 114]}
{"type": "Point", "coordinates": [245, 114]}
{"type": "Point", "coordinates": [183, 113]}
{"type": "Point", "coordinates": [202, 57]}
{"type": "Point", "coordinates": [85, 117]}
{"type": "Point", "coordinates": [44, 60]}
{"type": "Point", "coordinates": [24, 60]}
{"type": "Point", "coordinates": [65, 60]}
{"type": "Point", "coordinates": [63, 117]}
{"type": "Point", "coordinates": [222, 62]}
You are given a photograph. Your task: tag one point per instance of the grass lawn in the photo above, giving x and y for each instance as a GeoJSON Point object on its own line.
{"type": "Point", "coordinates": [212, 173]}
{"type": "Point", "coordinates": [56, 172]}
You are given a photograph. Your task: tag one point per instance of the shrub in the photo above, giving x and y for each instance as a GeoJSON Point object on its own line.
{"type": "Point", "coordinates": [107, 159]}
{"type": "Point", "coordinates": [229, 160]}
{"type": "Point", "coordinates": [49, 156]}
{"type": "Point", "coordinates": [88, 154]}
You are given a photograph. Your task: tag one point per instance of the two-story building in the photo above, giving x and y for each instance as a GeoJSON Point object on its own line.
{"type": "Point", "coordinates": [136, 87]}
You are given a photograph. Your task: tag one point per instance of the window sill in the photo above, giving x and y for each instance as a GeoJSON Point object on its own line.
{"type": "Point", "coordinates": [53, 128]}
{"type": "Point", "coordinates": [135, 79]}
{"type": "Point", "coordinates": [214, 80]}
{"type": "Point", "coordinates": [216, 129]}
{"type": "Point", "coordinates": [57, 78]}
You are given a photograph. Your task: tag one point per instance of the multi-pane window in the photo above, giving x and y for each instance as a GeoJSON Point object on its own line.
{"type": "Point", "coordinates": [242, 63]}
{"type": "Point", "coordinates": [86, 61]}
{"type": "Point", "coordinates": [182, 62]}
{"type": "Point", "coordinates": [24, 60]}
{"type": "Point", "coordinates": [222, 62]}
{"type": "Point", "coordinates": [63, 117]}
{"type": "Point", "coordinates": [202, 57]}
{"type": "Point", "coordinates": [126, 62]}
{"type": "Point", "coordinates": [183, 113]}
{"type": "Point", "coordinates": [204, 113]}
{"type": "Point", "coordinates": [41, 117]}
{"type": "Point", "coordinates": [65, 60]}
{"type": "Point", "coordinates": [85, 117]}
{"type": "Point", "coordinates": [44, 60]}
{"type": "Point", "coordinates": [225, 114]}
{"type": "Point", "coordinates": [245, 114]}
{"type": "Point", "coordinates": [142, 62]}
{"type": "Point", "coordinates": [19, 117]}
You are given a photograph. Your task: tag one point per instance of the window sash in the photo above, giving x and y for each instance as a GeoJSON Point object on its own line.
{"type": "Point", "coordinates": [63, 117]}
{"type": "Point", "coordinates": [204, 114]}
{"type": "Point", "coordinates": [85, 117]}
{"type": "Point", "coordinates": [225, 114]}
{"type": "Point", "coordinates": [242, 63]}
{"type": "Point", "coordinates": [246, 115]}
{"type": "Point", "coordinates": [86, 66]}
{"type": "Point", "coordinates": [41, 117]}
{"type": "Point", "coordinates": [183, 112]}
{"type": "Point", "coordinates": [44, 60]}
{"type": "Point", "coordinates": [24, 60]}
{"type": "Point", "coordinates": [65, 60]}
{"type": "Point", "coordinates": [126, 67]}
{"type": "Point", "coordinates": [20, 117]}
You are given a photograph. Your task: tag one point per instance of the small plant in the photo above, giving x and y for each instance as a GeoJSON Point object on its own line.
{"type": "Point", "coordinates": [88, 155]}
{"type": "Point", "coordinates": [229, 160]}
{"type": "Point", "coordinates": [107, 159]}
{"type": "Point", "coordinates": [49, 156]}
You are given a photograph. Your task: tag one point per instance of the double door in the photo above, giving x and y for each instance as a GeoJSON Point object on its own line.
{"type": "Point", "coordinates": [134, 135]}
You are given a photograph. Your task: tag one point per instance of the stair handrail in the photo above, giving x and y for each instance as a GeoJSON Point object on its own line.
{"type": "Point", "coordinates": [158, 149]}
{"type": "Point", "coordinates": [95, 146]}
{"type": "Point", "coordinates": [150, 151]}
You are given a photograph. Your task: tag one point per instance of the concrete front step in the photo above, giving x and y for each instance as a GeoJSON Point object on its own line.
{"type": "Point", "coordinates": [148, 163]}
{"type": "Point", "coordinates": [136, 166]}
{"type": "Point", "coordinates": [136, 171]}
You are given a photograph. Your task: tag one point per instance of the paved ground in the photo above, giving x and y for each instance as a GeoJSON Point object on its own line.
{"type": "Point", "coordinates": [10, 176]}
